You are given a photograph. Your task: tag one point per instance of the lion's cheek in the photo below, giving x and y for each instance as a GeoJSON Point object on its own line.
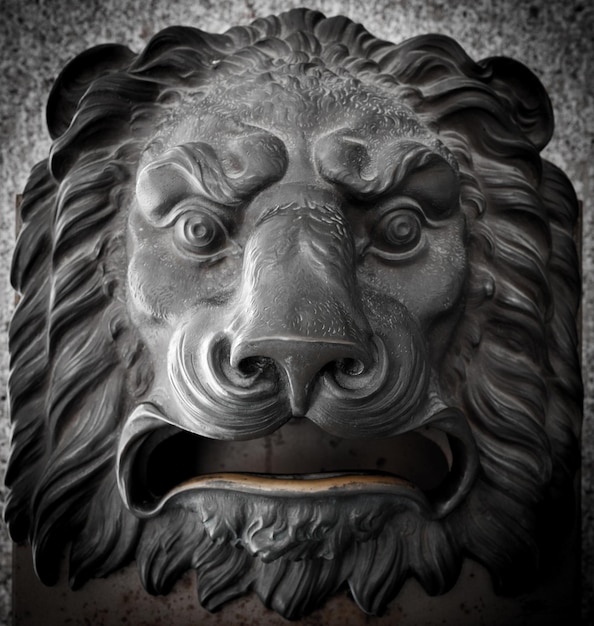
{"type": "Point", "coordinates": [145, 301]}
{"type": "Point", "coordinates": [444, 280]}
{"type": "Point", "coordinates": [441, 293]}
{"type": "Point", "coordinates": [439, 264]}
{"type": "Point", "coordinates": [173, 289]}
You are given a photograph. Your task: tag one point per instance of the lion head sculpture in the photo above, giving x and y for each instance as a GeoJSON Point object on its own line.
{"type": "Point", "coordinates": [294, 232]}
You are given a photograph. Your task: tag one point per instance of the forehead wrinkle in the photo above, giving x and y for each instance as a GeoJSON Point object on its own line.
{"type": "Point", "coordinates": [408, 157]}
{"type": "Point", "coordinates": [226, 177]}
{"type": "Point", "coordinates": [207, 169]}
{"type": "Point", "coordinates": [182, 172]}
{"type": "Point", "coordinates": [368, 169]}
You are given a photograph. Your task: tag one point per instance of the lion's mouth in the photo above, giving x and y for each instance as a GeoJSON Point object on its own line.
{"type": "Point", "coordinates": [158, 463]}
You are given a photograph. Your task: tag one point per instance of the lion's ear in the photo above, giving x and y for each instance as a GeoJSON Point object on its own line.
{"type": "Point", "coordinates": [528, 101]}
{"type": "Point", "coordinates": [75, 78]}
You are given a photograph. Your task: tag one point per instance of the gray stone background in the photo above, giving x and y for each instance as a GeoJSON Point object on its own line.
{"type": "Point", "coordinates": [554, 38]}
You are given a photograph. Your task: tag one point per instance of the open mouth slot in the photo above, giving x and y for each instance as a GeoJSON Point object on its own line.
{"type": "Point", "coordinates": [168, 457]}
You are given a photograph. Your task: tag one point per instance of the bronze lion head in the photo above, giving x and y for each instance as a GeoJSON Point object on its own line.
{"type": "Point", "coordinates": [294, 233]}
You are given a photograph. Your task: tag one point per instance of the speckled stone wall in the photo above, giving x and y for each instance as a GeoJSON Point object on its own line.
{"type": "Point", "coordinates": [554, 38]}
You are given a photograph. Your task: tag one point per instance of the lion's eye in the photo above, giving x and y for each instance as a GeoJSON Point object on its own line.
{"type": "Point", "coordinates": [398, 234]}
{"type": "Point", "coordinates": [200, 233]}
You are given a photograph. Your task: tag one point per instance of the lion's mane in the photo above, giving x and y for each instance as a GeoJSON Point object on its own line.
{"type": "Point", "coordinates": [77, 366]}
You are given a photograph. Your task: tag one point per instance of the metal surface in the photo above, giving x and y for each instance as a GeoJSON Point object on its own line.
{"type": "Point", "coordinates": [298, 313]}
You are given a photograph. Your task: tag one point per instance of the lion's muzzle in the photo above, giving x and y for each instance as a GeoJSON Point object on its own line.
{"type": "Point", "coordinates": [299, 309]}
{"type": "Point", "coordinates": [296, 342]}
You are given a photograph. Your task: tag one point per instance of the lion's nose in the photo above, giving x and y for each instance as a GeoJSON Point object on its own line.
{"type": "Point", "coordinates": [300, 360]}
{"type": "Point", "coordinates": [299, 308]}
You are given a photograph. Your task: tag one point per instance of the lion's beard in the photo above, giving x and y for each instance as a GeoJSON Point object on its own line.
{"type": "Point", "coordinates": [391, 545]}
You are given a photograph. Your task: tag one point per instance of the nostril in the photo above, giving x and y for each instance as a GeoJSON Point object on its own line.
{"type": "Point", "coordinates": [349, 366]}
{"type": "Point", "coordinates": [254, 365]}
{"type": "Point", "coordinates": [245, 370]}
{"type": "Point", "coordinates": [353, 373]}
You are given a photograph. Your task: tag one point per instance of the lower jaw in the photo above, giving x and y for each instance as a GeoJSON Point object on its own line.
{"type": "Point", "coordinates": [290, 491]}
{"type": "Point", "coordinates": [314, 524]}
